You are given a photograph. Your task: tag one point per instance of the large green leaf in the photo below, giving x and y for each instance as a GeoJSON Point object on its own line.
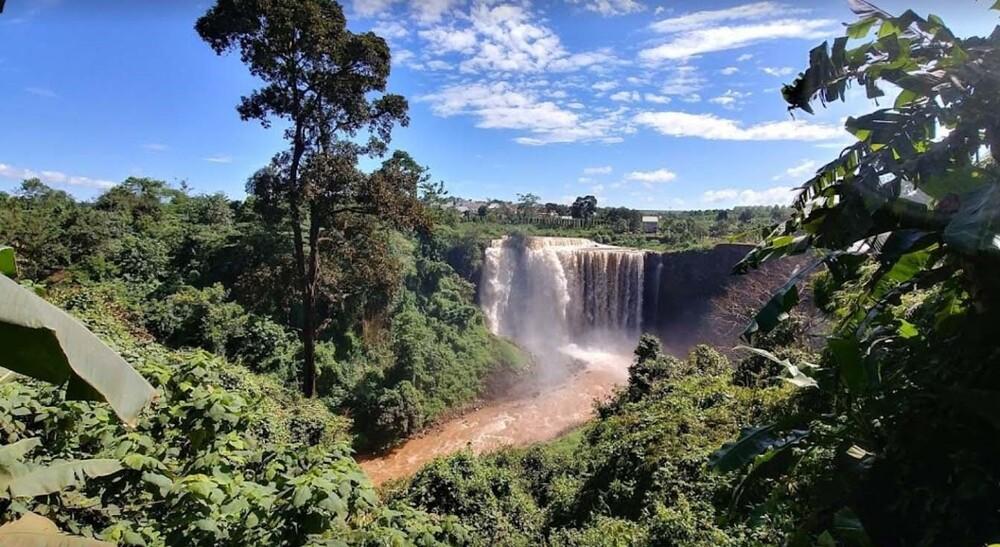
{"type": "Point", "coordinates": [39, 340]}
{"type": "Point", "coordinates": [975, 228]}
{"type": "Point", "coordinates": [8, 266]}
{"type": "Point", "coordinates": [796, 376]}
{"type": "Point", "coordinates": [752, 443]}
{"type": "Point", "coordinates": [776, 309]}
{"type": "Point", "coordinates": [20, 481]}
{"type": "Point", "coordinates": [33, 530]}
{"type": "Point", "coordinates": [12, 453]}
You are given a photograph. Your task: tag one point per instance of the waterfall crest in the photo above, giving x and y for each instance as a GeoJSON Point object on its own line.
{"type": "Point", "coordinates": [545, 292]}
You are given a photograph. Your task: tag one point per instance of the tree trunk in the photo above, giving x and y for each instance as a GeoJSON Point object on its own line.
{"type": "Point", "coordinates": [309, 309]}
{"type": "Point", "coordinates": [309, 344]}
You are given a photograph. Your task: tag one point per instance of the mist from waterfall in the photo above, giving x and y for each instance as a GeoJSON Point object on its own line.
{"type": "Point", "coordinates": [562, 299]}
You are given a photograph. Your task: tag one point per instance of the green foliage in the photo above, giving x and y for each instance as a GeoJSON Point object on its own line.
{"type": "Point", "coordinates": [889, 442]}
{"type": "Point", "coordinates": [206, 318]}
{"type": "Point", "coordinates": [216, 460]}
{"type": "Point", "coordinates": [438, 356]}
{"type": "Point", "coordinates": [43, 342]}
{"type": "Point", "coordinates": [636, 475]}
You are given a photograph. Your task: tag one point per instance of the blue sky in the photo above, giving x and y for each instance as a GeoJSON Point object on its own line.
{"type": "Point", "coordinates": [654, 104]}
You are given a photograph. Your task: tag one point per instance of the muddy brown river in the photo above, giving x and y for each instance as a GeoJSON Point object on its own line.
{"type": "Point", "coordinates": [535, 414]}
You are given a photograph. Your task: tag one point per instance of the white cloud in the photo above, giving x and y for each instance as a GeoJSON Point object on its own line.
{"type": "Point", "coordinates": [585, 180]}
{"type": "Point", "coordinates": [800, 171]}
{"type": "Point", "coordinates": [438, 64]}
{"type": "Point", "coordinates": [219, 159]}
{"type": "Point", "coordinates": [605, 85]}
{"type": "Point", "coordinates": [41, 92]}
{"type": "Point", "coordinates": [610, 7]}
{"type": "Point", "coordinates": [601, 170]}
{"type": "Point", "coordinates": [510, 39]}
{"type": "Point", "coordinates": [729, 71]}
{"type": "Point", "coordinates": [155, 147]}
{"type": "Point", "coordinates": [706, 40]}
{"type": "Point", "coordinates": [659, 175]}
{"type": "Point", "coordinates": [626, 97]}
{"type": "Point", "coordinates": [731, 99]}
{"type": "Point", "coordinates": [654, 98]}
{"type": "Point", "coordinates": [711, 127]}
{"type": "Point", "coordinates": [701, 19]}
{"type": "Point", "coordinates": [369, 8]}
{"type": "Point", "coordinates": [500, 105]}
{"type": "Point", "coordinates": [391, 29]}
{"type": "Point", "coordinates": [779, 195]}
{"type": "Point", "coordinates": [52, 177]}
{"type": "Point", "coordinates": [778, 71]}
{"type": "Point", "coordinates": [431, 11]}
{"type": "Point", "coordinates": [445, 39]}
{"type": "Point", "coordinates": [425, 11]}
{"type": "Point", "coordinates": [745, 57]}
{"type": "Point", "coordinates": [683, 80]}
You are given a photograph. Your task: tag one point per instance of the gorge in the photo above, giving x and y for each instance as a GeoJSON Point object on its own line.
{"type": "Point", "coordinates": [578, 307]}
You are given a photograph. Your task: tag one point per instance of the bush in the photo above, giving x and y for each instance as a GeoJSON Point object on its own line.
{"type": "Point", "coordinates": [204, 318]}
{"type": "Point", "coordinates": [635, 476]}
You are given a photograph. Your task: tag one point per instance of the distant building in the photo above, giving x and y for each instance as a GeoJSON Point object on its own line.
{"type": "Point", "coordinates": [650, 224]}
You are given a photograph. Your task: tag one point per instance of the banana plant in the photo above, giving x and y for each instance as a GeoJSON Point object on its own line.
{"type": "Point", "coordinates": [33, 530]}
{"type": "Point", "coordinates": [43, 342]}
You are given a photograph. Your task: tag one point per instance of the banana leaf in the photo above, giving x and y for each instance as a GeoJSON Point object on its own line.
{"type": "Point", "coordinates": [33, 530]}
{"type": "Point", "coordinates": [41, 341]}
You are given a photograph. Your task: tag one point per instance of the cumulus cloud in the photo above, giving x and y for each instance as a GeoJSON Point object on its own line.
{"type": "Point", "coordinates": [600, 170]}
{"type": "Point", "coordinates": [706, 40]}
{"type": "Point", "coordinates": [778, 71]}
{"type": "Point", "coordinates": [501, 105]}
{"type": "Point", "coordinates": [729, 71]}
{"type": "Point", "coordinates": [711, 127]}
{"type": "Point", "coordinates": [610, 7]}
{"type": "Point", "coordinates": [446, 39]}
{"type": "Point", "coordinates": [510, 39]}
{"type": "Point", "coordinates": [391, 29]}
{"type": "Point", "coordinates": [779, 195]}
{"type": "Point", "coordinates": [56, 178]}
{"type": "Point", "coordinates": [700, 19]}
{"type": "Point", "coordinates": [425, 11]}
{"type": "Point", "coordinates": [707, 31]}
{"type": "Point", "coordinates": [800, 171]}
{"type": "Point", "coordinates": [626, 97]}
{"type": "Point", "coordinates": [731, 99]}
{"type": "Point", "coordinates": [659, 175]}
{"type": "Point", "coordinates": [654, 98]}
{"type": "Point", "coordinates": [607, 85]}
{"type": "Point", "coordinates": [682, 80]}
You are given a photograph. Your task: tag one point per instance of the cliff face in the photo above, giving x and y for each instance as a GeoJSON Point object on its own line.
{"type": "Point", "coordinates": [691, 297]}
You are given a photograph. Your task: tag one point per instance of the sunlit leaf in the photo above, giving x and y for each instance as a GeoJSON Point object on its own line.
{"type": "Point", "coordinates": [751, 443]}
{"type": "Point", "coordinates": [39, 340]}
{"type": "Point", "coordinates": [33, 530]}
{"type": "Point", "coordinates": [8, 265]}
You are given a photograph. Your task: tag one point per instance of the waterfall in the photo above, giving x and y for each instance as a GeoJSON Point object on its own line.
{"type": "Point", "coordinates": [545, 292]}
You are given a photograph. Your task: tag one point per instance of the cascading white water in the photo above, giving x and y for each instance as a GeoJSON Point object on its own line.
{"type": "Point", "coordinates": [547, 292]}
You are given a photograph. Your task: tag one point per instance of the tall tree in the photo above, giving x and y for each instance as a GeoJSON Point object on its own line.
{"type": "Point", "coordinates": [584, 207]}
{"type": "Point", "coordinates": [328, 84]}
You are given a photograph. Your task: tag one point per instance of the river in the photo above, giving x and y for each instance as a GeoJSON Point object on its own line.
{"type": "Point", "coordinates": [533, 414]}
{"type": "Point", "coordinates": [576, 307]}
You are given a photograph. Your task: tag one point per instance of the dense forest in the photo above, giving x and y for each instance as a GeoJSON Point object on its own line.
{"type": "Point", "coordinates": [334, 310]}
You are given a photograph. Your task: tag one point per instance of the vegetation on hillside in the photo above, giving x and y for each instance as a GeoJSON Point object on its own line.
{"type": "Point", "coordinates": [634, 476]}
{"type": "Point", "coordinates": [885, 435]}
